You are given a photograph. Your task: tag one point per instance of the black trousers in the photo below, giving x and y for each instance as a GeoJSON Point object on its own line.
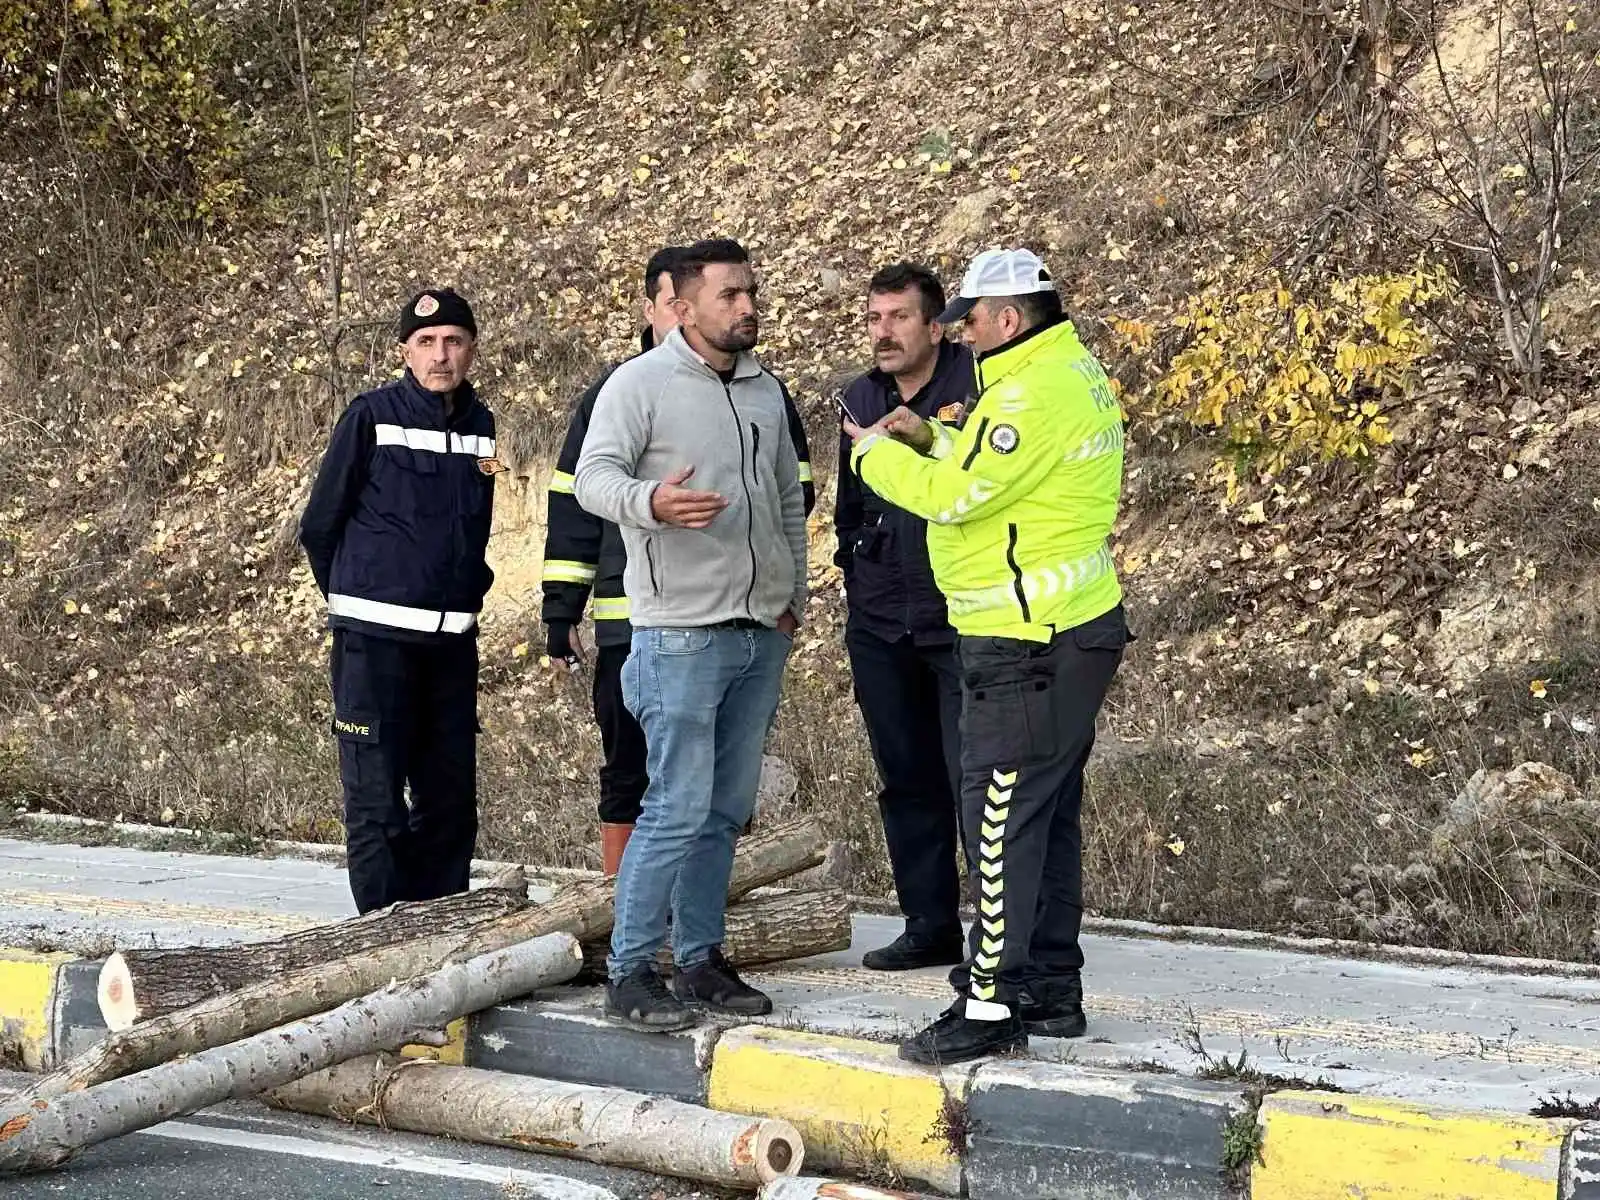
{"type": "Point", "coordinates": [406, 713]}
{"type": "Point", "coordinates": [910, 699]}
{"type": "Point", "coordinates": [623, 774]}
{"type": "Point", "coordinates": [1027, 727]}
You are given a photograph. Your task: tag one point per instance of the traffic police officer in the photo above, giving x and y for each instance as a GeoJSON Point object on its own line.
{"type": "Point", "coordinates": [1021, 500]}
{"type": "Point", "coordinates": [395, 531]}
{"type": "Point", "coordinates": [583, 554]}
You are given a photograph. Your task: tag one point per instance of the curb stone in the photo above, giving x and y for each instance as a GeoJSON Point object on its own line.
{"type": "Point", "coordinates": [858, 1106]}
{"type": "Point", "coordinates": [1580, 1173]}
{"type": "Point", "coordinates": [1045, 1131]}
{"type": "Point", "coordinates": [1325, 1146]}
{"type": "Point", "coordinates": [572, 1042]}
{"type": "Point", "coordinates": [997, 1130]}
{"type": "Point", "coordinates": [28, 1026]}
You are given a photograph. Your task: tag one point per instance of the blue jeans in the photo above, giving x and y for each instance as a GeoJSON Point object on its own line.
{"type": "Point", "coordinates": [706, 699]}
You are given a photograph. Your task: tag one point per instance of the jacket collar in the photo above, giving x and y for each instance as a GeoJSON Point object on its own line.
{"type": "Point", "coordinates": [745, 366]}
{"type": "Point", "coordinates": [994, 365]}
{"type": "Point", "coordinates": [432, 403]}
{"type": "Point", "coordinates": [952, 356]}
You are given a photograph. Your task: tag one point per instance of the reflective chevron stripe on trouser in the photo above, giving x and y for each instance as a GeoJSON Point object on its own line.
{"type": "Point", "coordinates": [991, 939]}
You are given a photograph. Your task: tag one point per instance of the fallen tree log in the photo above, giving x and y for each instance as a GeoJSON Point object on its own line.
{"type": "Point", "coordinates": [580, 910]}
{"type": "Point", "coordinates": [137, 985]}
{"type": "Point", "coordinates": [584, 910]}
{"type": "Point", "coordinates": [44, 1133]}
{"type": "Point", "coordinates": [573, 1120]}
{"type": "Point", "coordinates": [766, 929]}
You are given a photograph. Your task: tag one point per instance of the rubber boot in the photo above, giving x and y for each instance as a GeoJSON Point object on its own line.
{"type": "Point", "coordinates": [613, 840]}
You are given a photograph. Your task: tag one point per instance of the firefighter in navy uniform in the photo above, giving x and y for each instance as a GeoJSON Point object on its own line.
{"type": "Point", "coordinates": [901, 645]}
{"type": "Point", "coordinates": [395, 531]}
{"type": "Point", "coordinates": [584, 557]}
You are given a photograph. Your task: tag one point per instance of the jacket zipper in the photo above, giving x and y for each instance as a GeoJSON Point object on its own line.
{"type": "Point", "coordinates": [1016, 574]}
{"type": "Point", "coordinates": [650, 560]}
{"type": "Point", "coordinates": [749, 505]}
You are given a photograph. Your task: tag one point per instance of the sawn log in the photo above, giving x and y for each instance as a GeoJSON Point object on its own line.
{"type": "Point", "coordinates": [136, 985]}
{"type": "Point", "coordinates": [573, 1120]}
{"type": "Point", "coordinates": [40, 1133]}
{"type": "Point", "coordinates": [766, 929]}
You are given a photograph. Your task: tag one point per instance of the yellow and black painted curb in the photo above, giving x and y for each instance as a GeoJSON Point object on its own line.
{"type": "Point", "coordinates": [1009, 1129]}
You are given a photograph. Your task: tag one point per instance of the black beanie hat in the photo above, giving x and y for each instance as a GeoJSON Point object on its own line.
{"type": "Point", "coordinates": [436, 306]}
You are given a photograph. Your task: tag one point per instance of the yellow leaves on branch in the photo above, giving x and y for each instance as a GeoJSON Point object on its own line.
{"type": "Point", "coordinates": [1286, 375]}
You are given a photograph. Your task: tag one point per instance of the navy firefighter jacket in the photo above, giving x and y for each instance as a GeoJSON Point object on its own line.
{"type": "Point", "coordinates": [398, 520]}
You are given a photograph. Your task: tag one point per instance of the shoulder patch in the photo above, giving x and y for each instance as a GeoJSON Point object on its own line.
{"type": "Point", "coordinates": [1003, 439]}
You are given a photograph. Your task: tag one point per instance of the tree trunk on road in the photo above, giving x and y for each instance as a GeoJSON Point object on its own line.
{"type": "Point", "coordinates": [585, 910]}
{"type": "Point", "coordinates": [136, 985]}
{"type": "Point", "coordinates": [45, 1133]}
{"type": "Point", "coordinates": [601, 1125]}
{"type": "Point", "coordinates": [767, 929]}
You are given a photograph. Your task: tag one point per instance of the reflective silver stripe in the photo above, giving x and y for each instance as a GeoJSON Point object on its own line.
{"type": "Point", "coordinates": [435, 440]}
{"type": "Point", "coordinates": [398, 616]}
{"type": "Point", "coordinates": [980, 493]}
{"type": "Point", "coordinates": [1107, 441]}
{"type": "Point", "coordinates": [1040, 582]}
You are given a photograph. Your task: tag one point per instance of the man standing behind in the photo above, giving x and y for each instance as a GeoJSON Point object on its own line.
{"type": "Point", "coordinates": [395, 531]}
{"type": "Point", "coordinates": [1022, 499]}
{"type": "Point", "coordinates": [716, 577]}
{"type": "Point", "coordinates": [901, 645]}
{"type": "Point", "coordinates": [584, 552]}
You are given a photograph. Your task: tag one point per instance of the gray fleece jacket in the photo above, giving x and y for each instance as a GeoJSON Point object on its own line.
{"type": "Point", "coordinates": [668, 409]}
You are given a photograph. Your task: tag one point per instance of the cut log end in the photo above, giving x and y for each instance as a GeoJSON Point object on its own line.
{"type": "Point", "coordinates": [114, 990]}
{"type": "Point", "coordinates": [779, 1149]}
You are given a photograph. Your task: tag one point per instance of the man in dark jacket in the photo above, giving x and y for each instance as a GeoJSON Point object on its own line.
{"type": "Point", "coordinates": [901, 645]}
{"type": "Point", "coordinates": [396, 531]}
{"type": "Point", "coordinates": [584, 556]}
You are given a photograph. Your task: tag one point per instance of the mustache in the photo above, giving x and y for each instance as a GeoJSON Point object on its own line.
{"type": "Point", "coordinates": [887, 344]}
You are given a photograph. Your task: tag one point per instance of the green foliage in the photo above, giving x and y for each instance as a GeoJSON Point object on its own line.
{"type": "Point", "coordinates": [1288, 377]}
{"type": "Point", "coordinates": [133, 84]}
{"type": "Point", "coordinates": [1242, 1139]}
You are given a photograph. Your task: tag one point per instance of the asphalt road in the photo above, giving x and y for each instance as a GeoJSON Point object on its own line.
{"type": "Point", "coordinates": [249, 1152]}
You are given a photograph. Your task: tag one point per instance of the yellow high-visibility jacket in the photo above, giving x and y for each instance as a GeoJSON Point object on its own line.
{"type": "Point", "coordinates": [1021, 498]}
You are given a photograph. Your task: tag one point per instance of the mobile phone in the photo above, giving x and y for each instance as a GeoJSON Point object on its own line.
{"type": "Point", "coordinates": [845, 409]}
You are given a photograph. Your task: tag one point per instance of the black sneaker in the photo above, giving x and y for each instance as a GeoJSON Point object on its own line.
{"type": "Point", "coordinates": [1060, 1019]}
{"type": "Point", "coordinates": [715, 985]}
{"type": "Point", "coordinates": [908, 952]}
{"type": "Point", "coordinates": [641, 1001]}
{"type": "Point", "coordinates": [954, 1039]}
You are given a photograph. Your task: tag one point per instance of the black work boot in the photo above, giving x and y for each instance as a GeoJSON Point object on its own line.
{"type": "Point", "coordinates": [714, 985]}
{"type": "Point", "coordinates": [642, 1002]}
{"type": "Point", "coordinates": [1061, 1019]}
{"type": "Point", "coordinates": [910, 951]}
{"type": "Point", "coordinates": [1054, 1009]}
{"type": "Point", "coordinates": [955, 1039]}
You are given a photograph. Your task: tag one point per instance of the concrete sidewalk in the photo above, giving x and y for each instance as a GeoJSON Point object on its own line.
{"type": "Point", "coordinates": [1164, 1015]}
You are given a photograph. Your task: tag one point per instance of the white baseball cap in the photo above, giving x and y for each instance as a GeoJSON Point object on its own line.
{"type": "Point", "coordinates": [998, 273]}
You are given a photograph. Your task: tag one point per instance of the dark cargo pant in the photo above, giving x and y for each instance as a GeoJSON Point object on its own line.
{"type": "Point", "coordinates": [1027, 726]}
{"type": "Point", "coordinates": [910, 700]}
{"type": "Point", "coordinates": [407, 713]}
{"type": "Point", "coordinates": [624, 773]}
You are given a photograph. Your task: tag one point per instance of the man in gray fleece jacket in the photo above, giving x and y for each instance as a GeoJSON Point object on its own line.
{"type": "Point", "coordinates": [716, 579]}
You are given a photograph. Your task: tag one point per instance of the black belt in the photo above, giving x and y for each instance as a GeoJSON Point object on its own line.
{"type": "Point", "coordinates": [739, 623]}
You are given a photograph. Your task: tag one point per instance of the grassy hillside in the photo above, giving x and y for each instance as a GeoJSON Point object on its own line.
{"type": "Point", "coordinates": [1358, 539]}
